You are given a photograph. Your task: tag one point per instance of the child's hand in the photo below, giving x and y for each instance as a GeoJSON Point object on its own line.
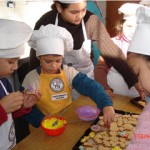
{"type": "Point", "coordinates": [12, 102]}
{"type": "Point", "coordinates": [109, 115]}
{"type": "Point", "coordinates": [31, 99]}
{"type": "Point", "coordinates": [140, 90]}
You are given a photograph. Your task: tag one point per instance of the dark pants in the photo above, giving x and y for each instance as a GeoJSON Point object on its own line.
{"type": "Point", "coordinates": [22, 129]}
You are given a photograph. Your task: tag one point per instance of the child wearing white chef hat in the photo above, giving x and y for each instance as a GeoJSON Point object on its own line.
{"type": "Point", "coordinates": [125, 30]}
{"type": "Point", "coordinates": [13, 36]}
{"type": "Point", "coordinates": [139, 60]}
{"type": "Point", "coordinates": [55, 80]}
{"type": "Point", "coordinates": [129, 16]}
{"type": "Point", "coordinates": [139, 47]}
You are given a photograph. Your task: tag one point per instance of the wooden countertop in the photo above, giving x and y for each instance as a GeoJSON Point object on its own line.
{"type": "Point", "coordinates": [38, 140]}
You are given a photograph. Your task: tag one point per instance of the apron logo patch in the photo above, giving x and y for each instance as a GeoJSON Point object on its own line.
{"type": "Point", "coordinates": [57, 85]}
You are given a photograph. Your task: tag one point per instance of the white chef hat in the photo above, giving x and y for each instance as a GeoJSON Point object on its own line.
{"type": "Point", "coordinates": [145, 2]}
{"type": "Point", "coordinates": [141, 40]}
{"type": "Point", "coordinates": [51, 39]}
{"type": "Point", "coordinates": [13, 36]}
{"type": "Point", "coordinates": [129, 10]}
{"type": "Point", "coordinates": [70, 1]}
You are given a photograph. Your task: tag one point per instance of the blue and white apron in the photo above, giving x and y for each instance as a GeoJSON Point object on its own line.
{"type": "Point", "coordinates": [7, 130]}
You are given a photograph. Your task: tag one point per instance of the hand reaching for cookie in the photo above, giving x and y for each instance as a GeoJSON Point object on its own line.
{"type": "Point", "coordinates": [109, 115]}
{"type": "Point", "coordinates": [140, 90]}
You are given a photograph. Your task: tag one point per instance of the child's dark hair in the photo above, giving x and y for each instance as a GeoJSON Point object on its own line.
{"type": "Point", "coordinates": [64, 6]}
{"type": "Point", "coordinates": [119, 26]}
{"type": "Point", "coordinates": [146, 57]}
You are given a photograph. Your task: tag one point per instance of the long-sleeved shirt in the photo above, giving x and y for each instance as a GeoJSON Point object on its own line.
{"type": "Point", "coordinates": [3, 113]}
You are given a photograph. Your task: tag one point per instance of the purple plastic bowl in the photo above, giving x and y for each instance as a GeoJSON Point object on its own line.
{"type": "Point", "coordinates": [88, 112]}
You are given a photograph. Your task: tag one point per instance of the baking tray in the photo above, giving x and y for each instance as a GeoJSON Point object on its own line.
{"type": "Point", "coordinates": [76, 146]}
{"type": "Point", "coordinates": [138, 102]}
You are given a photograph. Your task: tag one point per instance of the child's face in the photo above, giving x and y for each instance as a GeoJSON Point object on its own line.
{"type": "Point", "coordinates": [8, 66]}
{"type": "Point", "coordinates": [129, 27]}
{"type": "Point", "coordinates": [141, 67]}
{"type": "Point", "coordinates": [50, 64]}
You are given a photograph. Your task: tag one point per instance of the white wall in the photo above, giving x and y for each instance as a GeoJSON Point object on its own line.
{"type": "Point", "coordinates": [28, 11]}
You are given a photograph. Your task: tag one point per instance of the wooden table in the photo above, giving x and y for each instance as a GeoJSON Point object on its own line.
{"type": "Point", "coordinates": [38, 140]}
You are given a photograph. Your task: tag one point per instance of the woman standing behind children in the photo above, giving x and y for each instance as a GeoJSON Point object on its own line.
{"type": "Point", "coordinates": [13, 36]}
{"type": "Point", "coordinates": [85, 28]}
{"type": "Point", "coordinates": [55, 80]}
